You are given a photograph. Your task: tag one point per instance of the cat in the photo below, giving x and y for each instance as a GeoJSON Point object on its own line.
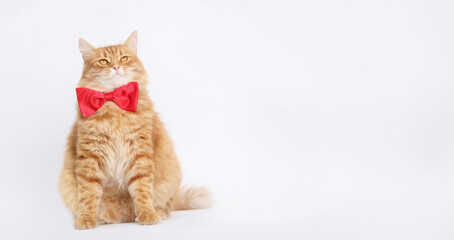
{"type": "Point", "coordinates": [120, 166]}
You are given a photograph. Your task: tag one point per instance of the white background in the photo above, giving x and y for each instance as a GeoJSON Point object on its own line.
{"type": "Point", "coordinates": [307, 119]}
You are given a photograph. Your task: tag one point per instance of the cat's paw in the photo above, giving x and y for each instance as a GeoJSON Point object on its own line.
{"type": "Point", "coordinates": [162, 213]}
{"type": "Point", "coordinates": [83, 222]}
{"type": "Point", "coordinates": [149, 217]}
{"type": "Point", "coordinates": [108, 217]}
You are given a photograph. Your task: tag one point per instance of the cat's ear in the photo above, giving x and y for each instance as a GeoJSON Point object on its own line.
{"type": "Point", "coordinates": [131, 42]}
{"type": "Point", "coordinates": [85, 48]}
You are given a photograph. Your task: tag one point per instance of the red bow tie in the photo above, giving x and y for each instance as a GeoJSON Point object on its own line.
{"type": "Point", "coordinates": [91, 100]}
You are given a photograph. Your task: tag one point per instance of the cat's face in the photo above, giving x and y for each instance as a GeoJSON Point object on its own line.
{"type": "Point", "coordinates": [107, 68]}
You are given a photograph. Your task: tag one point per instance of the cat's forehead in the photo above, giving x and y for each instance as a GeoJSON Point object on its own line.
{"type": "Point", "coordinates": [114, 50]}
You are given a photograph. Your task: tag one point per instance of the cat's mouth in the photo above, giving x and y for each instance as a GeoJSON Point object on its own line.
{"type": "Point", "coordinates": [117, 74]}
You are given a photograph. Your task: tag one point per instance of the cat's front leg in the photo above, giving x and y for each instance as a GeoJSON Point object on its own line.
{"type": "Point", "coordinates": [89, 190]}
{"type": "Point", "coordinates": [140, 186]}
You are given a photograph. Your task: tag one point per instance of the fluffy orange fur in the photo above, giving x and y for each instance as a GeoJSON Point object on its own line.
{"type": "Point", "coordinates": [120, 166]}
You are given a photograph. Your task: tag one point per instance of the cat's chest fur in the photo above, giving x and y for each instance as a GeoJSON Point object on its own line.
{"type": "Point", "coordinates": [118, 131]}
{"type": "Point", "coordinates": [117, 159]}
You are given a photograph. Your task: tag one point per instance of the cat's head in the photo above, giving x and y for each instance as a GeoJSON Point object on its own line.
{"type": "Point", "coordinates": [107, 68]}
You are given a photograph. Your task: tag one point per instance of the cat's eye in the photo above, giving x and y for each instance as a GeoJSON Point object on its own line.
{"type": "Point", "coordinates": [124, 59]}
{"type": "Point", "coordinates": [103, 61]}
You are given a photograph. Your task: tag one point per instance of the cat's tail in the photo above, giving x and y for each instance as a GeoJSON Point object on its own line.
{"type": "Point", "coordinates": [191, 198]}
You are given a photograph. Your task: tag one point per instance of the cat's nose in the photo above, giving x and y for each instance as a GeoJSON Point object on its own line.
{"type": "Point", "coordinates": [116, 68]}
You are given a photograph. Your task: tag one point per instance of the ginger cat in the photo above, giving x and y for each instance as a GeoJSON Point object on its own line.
{"type": "Point", "coordinates": [120, 166]}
